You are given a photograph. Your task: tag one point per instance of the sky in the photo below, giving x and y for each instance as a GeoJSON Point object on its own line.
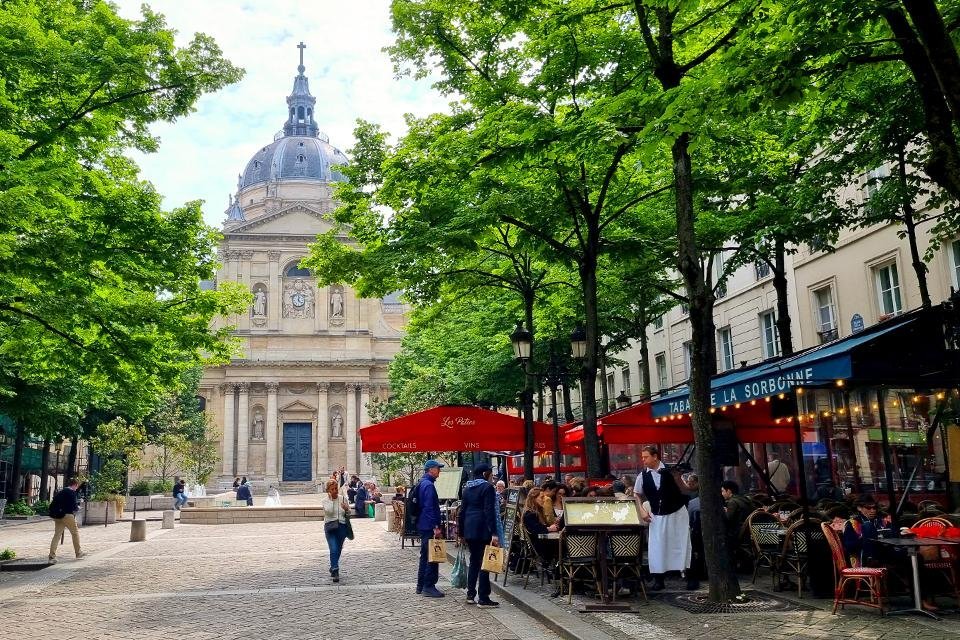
{"type": "Point", "coordinates": [350, 76]}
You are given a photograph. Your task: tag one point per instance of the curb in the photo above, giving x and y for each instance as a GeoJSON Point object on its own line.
{"type": "Point", "coordinates": [560, 621]}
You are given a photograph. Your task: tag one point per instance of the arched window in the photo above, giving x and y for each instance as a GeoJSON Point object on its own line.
{"type": "Point", "coordinates": [294, 271]}
{"type": "Point", "coordinates": [301, 158]}
{"type": "Point", "coordinates": [300, 113]}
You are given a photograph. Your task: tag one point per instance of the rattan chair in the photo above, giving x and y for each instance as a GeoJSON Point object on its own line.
{"type": "Point", "coordinates": [625, 561]}
{"type": "Point", "coordinates": [863, 580]}
{"type": "Point", "coordinates": [766, 543]}
{"type": "Point", "coordinates": [578, 555]}
{"type": "Point", "coordinates": [794, 559]}
{"type": "Point", "coordinates": [533, 560]}
{"type": "Point", "coordinates": [945, 563]}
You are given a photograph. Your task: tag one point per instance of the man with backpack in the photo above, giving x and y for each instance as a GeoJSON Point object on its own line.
{"type": "Point", "coordinates": [63, 510]}
{"type": "Point", "coordinates": [424, 508]}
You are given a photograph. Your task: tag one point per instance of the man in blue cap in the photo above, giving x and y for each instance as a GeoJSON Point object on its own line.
{"type": "Point", "coordinates": [480, 526]}
{"type": "Point", "coordinates": [428, 525]}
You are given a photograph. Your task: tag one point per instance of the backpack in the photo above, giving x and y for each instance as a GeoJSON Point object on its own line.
{"type": "Point", "coordinates": [56, 510]}
{"type": "Point", "coordinates": [413, 505]}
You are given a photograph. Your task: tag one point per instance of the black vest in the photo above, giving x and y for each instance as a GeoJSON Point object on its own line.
{"type": "Point", "coordinates": [665, 500]}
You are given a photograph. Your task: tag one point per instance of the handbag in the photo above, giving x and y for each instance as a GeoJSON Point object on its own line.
{"type": "Point", "coordinates": [347, 525]}
{"type": "Point", "coordinates": [331, 526]}
{"type": "Point", "coordinates": [458, 575]}
{"type": "Point", "coordinates": [494, 560]}
{"type": "Point", "coordinates": [437, 550]}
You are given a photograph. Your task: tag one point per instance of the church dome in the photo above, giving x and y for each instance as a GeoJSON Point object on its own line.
{"type": "Point", "coordinates": [300, 151]}
{"type": "Point", "coordinates": [295, 157]}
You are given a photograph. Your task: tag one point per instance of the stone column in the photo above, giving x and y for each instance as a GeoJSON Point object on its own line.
{"type": "Point", "coordinates": [351, 431]}
{"type": "Point", "coordinates": [271, 430]}
{"type": "Point", "coordinates": [323, 432]}
{"type": "Point", "coordinates": [243, 427]}
{"type": "Point", "coordinates": [243, 277]}
{"type": "Point", "coordinates": [227, 390]}
{"type": "Point", "coordinates": [274, 303]}
{"type": "Point", "coordinates": [366, 467]}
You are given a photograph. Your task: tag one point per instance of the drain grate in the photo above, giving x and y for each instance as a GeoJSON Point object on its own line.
{"type": "Point", "coordinates": [756, 602]}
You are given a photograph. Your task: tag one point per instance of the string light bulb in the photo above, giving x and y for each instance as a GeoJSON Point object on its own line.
{"type": "Point", "coordinates": [839, 383]}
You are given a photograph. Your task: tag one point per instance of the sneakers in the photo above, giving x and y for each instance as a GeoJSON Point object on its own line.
{"type": "Point", "coordinates": [432, 592]}
{"type": "Point", "coordinates": [419, 590]}
{"type": "Point", "coordinates": [51, 560]}
{"type": "Point", "coordinates": [472, 600]}
{"type": "Point", "coordinates": [81, 554]}
{"type": "Point", "coordinates": [487, 604]}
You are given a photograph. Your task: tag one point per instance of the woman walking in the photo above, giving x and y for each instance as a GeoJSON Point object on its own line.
{"type": "Point", "coordinates": [334, 525]}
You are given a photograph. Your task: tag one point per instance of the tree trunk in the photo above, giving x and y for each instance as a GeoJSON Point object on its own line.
{"type": "Point", "coordinates": [940, 48]}
{"type": "Point", "coordinates": [721, 573]}
{"type": "Point", "coordinates": [943, 164]}
{"type": "Point", "coordinates": [909, 221]}
{"type": "Point", "coordinates": [588, 370]}
{"type": "Point", "coordinates": [567, 404]}
{"type": "Point", "coordinates": [44, 469]}
{"type": "Point", "coordinates": [527, 400]}
{"type": "Point", "coordinates": [784, 328]}
{"type": "Point", "coordinates": [71, 470]}
{"type": "Point", "coordinates": [16, 470]}
{"type": "Point", "coordinates": [540, 402]}
{"type": "Point", "coordinates": [645, 369]}
{"type": "Point", "coordinates": [604, 392]}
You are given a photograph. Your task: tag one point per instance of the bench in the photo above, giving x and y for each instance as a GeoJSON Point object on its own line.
{"type": "Point", "coordinates": [246, 515]}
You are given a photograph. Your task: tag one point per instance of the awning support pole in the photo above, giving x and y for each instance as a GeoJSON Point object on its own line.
{"type": "Point", "coordinates": [885, 444]}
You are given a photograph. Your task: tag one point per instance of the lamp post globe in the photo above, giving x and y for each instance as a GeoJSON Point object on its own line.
{"type": "Point", "coordinates": [522, 342]}
{"type": "Point", "coordinates": [578, 343]}
{"type": "Point", "coordinates": [623, 400]}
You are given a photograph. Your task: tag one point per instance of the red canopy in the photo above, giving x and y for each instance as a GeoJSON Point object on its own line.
{"type": "Point", "coordinates": [456, 428]}
{"type": "Point", "coordinates": [636, 425]}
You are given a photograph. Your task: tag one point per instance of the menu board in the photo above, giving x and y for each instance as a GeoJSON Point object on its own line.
{"type": "Point", "coordinates": [600, 512]}
{"type": "Point", "coordinates": [448, 483]}
{"type": "Point", "coordinates": [510, 520]}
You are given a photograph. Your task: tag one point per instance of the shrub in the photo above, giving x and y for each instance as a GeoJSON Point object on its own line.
{"type": "Point", "coordinates": [163, 486]}
{"type": "Point", "coordinates": [41, 507]}
{"type": "Point", "coordinates": [18, 508]}
{"type": "Point", "coordinates": [8, 554]}
{"type": "Point", "coordinates": [141, 487]}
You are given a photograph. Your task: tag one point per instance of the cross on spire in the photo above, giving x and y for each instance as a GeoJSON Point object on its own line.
{"type": "Point", "coordinates": [301, 46]}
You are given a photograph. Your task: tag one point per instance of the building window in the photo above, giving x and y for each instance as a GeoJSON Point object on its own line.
{"type": "Point", "coordinates": [658, 323]}
{"type": "Point", "coordinates": [718, 267]}
{"type": "Point", "coordinates": [661, 361]}
{"type": "Point", "coordinates": [688, 357]}
{"type": "Point", "coordinates": [888, 290]}
{"type": "Point", "coordinates": [626, 381]}
{"type": "Point", "coordinates": [684, 309]}
{"type": "Point", "coordinates": [611, 387]}
{"type": "Point", "coordinates": [294, 271]}
{"type": "Point", "coordinates": [640, 369]}
{"type": "Point", "coordinates": [725, 343]}
{"type": "Point", "coordinates": [873, 181]}
{"type": "Point", "coordinates": [762, 269]}
{"type": "Point", "coordinates": [826, 314]}
{"type": "Point", "coordinates": [770, 333]}
{"type": "Point", "coordinates": [955, 255]}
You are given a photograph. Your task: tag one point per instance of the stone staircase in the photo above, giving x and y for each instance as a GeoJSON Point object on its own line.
{"type": "Point", "coordinates": [298, 487]}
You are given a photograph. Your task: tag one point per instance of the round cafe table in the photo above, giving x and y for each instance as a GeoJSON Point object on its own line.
{"type": "Point", "coordinates": [912, 545]}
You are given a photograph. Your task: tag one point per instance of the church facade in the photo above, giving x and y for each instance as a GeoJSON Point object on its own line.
{"type": "Point", "coordinates": [288, 409]}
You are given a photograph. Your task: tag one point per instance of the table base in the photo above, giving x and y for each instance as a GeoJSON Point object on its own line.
{"type": "Point", "coordinates": [622, 607]}
{"type": "Point", "coordinates": [921, 612]}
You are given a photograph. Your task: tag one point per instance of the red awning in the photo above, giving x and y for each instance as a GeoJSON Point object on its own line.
{"type": "Point", "coordinates": [456, 428]}
{"type": "Point", "coordinates": [636, 425]}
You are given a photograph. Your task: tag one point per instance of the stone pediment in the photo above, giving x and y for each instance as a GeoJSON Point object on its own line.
{"type": "Point", "coordinates": [297, 406]}
{"type": "Point", "coordinates": [297, 218]}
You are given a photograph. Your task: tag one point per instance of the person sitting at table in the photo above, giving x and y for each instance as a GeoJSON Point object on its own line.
{"type": "Point", "coordinates": [536, 525]}
{"type": "Point", "coordinates": [860, 534]}
{"type": "Point", "coordinates": [562, 492]}
{"type": "Point", "coordinates": [548, 490]}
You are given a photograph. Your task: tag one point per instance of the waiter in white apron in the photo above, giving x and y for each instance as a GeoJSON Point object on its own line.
{"type": "Point", "coordinates": [668, 547]}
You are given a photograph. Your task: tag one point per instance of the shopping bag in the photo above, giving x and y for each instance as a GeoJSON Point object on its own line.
{"type": "Point", "coordinates": [494, 560]}
{"type": "Point", "coordinates": [437, 550]}
{"type": "Point", "coordinates": [458, 575]}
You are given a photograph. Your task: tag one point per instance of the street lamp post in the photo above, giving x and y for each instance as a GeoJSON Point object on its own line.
{"type": "Point", "coordinates": [553, 377]}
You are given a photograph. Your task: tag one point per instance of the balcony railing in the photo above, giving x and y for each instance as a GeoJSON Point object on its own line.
{"type": "Point", "coordinates": [827, 335]}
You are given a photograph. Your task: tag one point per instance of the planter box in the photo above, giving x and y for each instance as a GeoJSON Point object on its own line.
{"type": "Point", "coordinates": [98, 512]}
{"type": "Point", "coordinates": [162, 503]}
{"type": "Point", "coordinates": [142, 503]}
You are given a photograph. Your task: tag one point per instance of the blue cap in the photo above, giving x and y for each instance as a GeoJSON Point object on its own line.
{"type": "Point", "coordinates": [430, 464]}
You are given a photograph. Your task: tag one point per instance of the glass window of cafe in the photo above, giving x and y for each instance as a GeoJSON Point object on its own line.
{"type": "Point", "coordinates": [843, 451]}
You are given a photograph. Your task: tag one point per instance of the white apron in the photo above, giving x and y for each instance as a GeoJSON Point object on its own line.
{"type": "Point", "coordinates": [669, 546]}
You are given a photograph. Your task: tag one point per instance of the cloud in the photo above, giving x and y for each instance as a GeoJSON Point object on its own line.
{"type": "Point", "coordinates": [350, 75]}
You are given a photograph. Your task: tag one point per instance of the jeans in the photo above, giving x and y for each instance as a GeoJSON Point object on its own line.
{"type": "Point", "coordinates": [474, 574]}
{"type": "Point", "coordinates": [181, 499]}
{"type": "Point", "coordinates": [335, 542]}
{"type": "Point", "coordinates": [428, 572]}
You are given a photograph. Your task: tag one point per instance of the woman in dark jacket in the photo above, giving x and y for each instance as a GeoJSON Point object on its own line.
{"type": "Point", "coordinates": [535, 524]}
{"type": "Point", "coordinates": [360, 501]}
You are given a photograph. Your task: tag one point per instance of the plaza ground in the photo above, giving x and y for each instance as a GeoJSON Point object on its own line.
{"type": "Point", "coordinates": [271, 581]}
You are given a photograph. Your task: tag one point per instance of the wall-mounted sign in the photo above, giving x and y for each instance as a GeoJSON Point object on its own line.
{"type": "Point", "coordinates": [856, 323]}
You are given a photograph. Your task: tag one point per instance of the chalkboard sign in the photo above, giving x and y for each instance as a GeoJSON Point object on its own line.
{"type": "Point", "coordinates": [510, 520]}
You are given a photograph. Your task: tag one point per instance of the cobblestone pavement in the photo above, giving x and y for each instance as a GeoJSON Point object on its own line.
{"type": "Point", "coordinates": [235, 581]}
{"type": "Point", "coordinates": [815, 621]}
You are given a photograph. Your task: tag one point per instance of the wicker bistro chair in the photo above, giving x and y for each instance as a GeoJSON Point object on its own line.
{"type": "Point", "coordinates": [794, 559]}
{"type": "Point", "coordinates": [625, 560]}
{"type": "Point", "coordinates": [578, 555]}
{"type": "Point", "coordinates": [869, 581]}
{"type": "Point", "coordinates": [766, 543]}
{"type": "Point", "coordinates": [939, 559]}
{"type": "Point", "coordinates": [532, 560]}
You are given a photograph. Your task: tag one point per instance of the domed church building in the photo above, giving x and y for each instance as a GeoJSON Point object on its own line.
{"type": "Point", "coordinates": [288, 410]}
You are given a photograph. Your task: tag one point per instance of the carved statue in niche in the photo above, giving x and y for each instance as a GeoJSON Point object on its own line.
{"type": "Point", "coordinates": [336, 424]}
{"type": "Point", "coordinates": [336, 304]}
{"type": "Point", "coordinates": [259, 305]}
{"type": "Point", "coordinates": [298, 299]}
{"type": "Point", "coordinates": [258, 427]}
